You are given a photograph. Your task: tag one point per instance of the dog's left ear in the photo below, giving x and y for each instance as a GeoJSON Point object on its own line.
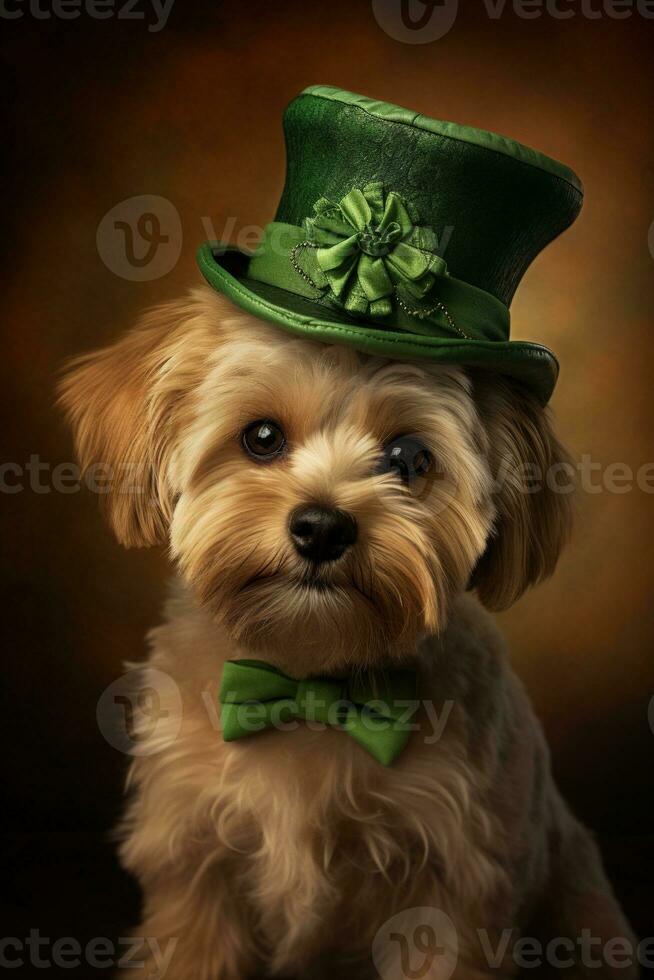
{"type": "Point", "coordinates": [532, 484]}
{"type": "Point", "coordinates": [126, 404]}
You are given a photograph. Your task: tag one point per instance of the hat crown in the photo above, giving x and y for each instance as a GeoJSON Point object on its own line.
{"type": "Point", "coordinates": [493, 203]}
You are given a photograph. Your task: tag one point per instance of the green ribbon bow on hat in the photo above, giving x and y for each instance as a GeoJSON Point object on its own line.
{"type": "Point", "coordinates": [369, 249]}
{"type": "Point", "coordinates": [255, 696]}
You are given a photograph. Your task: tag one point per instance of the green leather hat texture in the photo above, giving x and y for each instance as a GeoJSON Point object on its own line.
{"type": "Point", "coordinates": [402, 236]}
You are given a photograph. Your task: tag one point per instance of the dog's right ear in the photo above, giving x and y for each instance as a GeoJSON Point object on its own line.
{"type": "Point", "coordinates": [532, 523]}
{"type": "Point", "coordinates": [125, 403]}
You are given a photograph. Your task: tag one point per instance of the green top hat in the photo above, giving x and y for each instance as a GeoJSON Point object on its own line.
{"type": "Point", "coordinates": [402, 236]}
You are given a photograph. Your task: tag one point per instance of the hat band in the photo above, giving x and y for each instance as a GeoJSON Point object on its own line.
{"type": "Point", "coordinates": [286, 259]}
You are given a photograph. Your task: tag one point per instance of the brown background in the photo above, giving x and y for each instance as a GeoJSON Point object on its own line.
{"type": "Point", "coordinates": [100, 111]}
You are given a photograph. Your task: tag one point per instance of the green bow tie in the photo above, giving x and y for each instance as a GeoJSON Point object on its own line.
{"type": "Point", "coordinates": [255, 696]}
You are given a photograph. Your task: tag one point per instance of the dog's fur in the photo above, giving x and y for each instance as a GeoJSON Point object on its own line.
{"type": "Point", "coordinates": [284, 853]}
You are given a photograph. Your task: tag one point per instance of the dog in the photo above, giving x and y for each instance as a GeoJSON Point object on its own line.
{"type": "Point", "coordinates": [332, 512]}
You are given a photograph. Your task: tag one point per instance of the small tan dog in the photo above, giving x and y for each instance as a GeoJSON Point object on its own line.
{"type": "Point", "coordinates": [327, 511]}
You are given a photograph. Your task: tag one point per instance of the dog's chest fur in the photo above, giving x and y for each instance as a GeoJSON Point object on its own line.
{"type": "Point", "coordinates": [305, 823]}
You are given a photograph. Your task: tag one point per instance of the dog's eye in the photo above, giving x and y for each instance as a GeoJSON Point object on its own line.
{"type": "Point", "coordinates": [263, 439]}
{"type": "Point", "coordinates": [408, 458]}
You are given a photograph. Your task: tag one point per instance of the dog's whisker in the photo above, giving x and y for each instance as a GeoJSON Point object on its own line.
{"type": "Point", "coordinates": [269, 569]}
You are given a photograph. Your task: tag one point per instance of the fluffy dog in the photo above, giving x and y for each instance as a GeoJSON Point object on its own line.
{"type": "Point", "coordinates": [273, 466]}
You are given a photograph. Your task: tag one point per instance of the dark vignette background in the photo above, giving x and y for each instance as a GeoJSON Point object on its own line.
{"type": "Point", "coordinates": [97, 111]}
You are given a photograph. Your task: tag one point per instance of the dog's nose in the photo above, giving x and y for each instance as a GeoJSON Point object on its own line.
{"type": "Point", "coordinates": [322, 533]}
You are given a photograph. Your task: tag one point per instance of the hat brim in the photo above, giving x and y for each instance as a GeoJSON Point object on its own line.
{"type": "Point", "coordinates": [225, 266]}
